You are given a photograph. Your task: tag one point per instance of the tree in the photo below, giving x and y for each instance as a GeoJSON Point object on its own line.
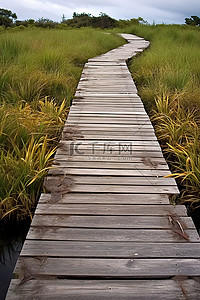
{"type": "Point", "coordinates": [85, 20]}
{"type": "Point", "coordinates": [134, 21]}
{"type": "Point", "coordinates": [193, 21]}
{"type": "Point", "coordinates": [63, 18]}
{"type": "Point", "coordinates": [142, 21]}
{"type": "Point", "coordinates": [79, 20]}
{"type": "Point", "coordinates": [7, 17]}
{"type": "Point", "coordinates": [45, 23]}
{"type": "Point", "coordinates": [103, 21]}
{"type": "Point", "coordinates": [26, 23]}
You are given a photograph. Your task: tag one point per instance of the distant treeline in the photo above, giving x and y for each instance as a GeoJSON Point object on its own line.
{"type": "Point", "coordinates": [9, 19]}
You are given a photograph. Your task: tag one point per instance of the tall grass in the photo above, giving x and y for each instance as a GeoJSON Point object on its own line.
{"type": "Point", "coordinates": [36, 63]}
{"type": "Point", "coordinates": [179, 133]}
{"type": "Point", "coordinates": [170, 65]}
{"type": "Point", "coordinates": [27, 143]}
{"type": "Point", "coordinates": [168, 79]}
{"type": "Point", "coordinates": [39, 72]}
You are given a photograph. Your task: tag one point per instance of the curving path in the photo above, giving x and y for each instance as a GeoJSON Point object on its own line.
{"type": "Point", "coordinates": [105, 228]}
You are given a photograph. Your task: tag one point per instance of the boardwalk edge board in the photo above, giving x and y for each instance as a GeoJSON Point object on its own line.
{"type": "Point", "coordinates": [105, 228]}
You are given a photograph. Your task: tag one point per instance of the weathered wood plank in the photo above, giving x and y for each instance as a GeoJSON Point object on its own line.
{"type": "Point", "coordinates": [104, 102]}
{"type": "Point", "coordinates": [106, 90]}
{"type": "Point", "coordinates": [105, 121]}
{"type": "Point", "coordinates": [117, 95]}
{"type": "Point", "coordinates": [109, 100]}
{"type": "Point", "coordinates": [63, 184]}
{"type": "Point", "coordinates": [147, 199]}
{"type": "Point", "coordinates": [105, 109]}
{"type": "Point", "coordinates": [133, 98]}
{"type": "Point", "coordinates": [115, 144]}
{"type": "Point", "coordinates": [106, 172]}
{"type": "Point", "coordinates": [134, 135]}
{"type": "Point", "coordinates": [117, 86]}
{"type": "Point", "coordinates": [104, 289]}
{"type": "Point", "coordinates": [112, 133]}
{"type": "Point", "coordinates": [147, 156]}
{"type": "Point", "coordinates": [82, 120]}
{"type": "Point", "coordinates": [92, 162]}
{"type": "Point", "coordinates": [98, 81]}
{"type": "Point", "coordinates": [106, 222]}
{"type": "Point", "coordinates": [115, 210]}
{"type": "Point", "coordinates": [108, 105]}
{"type": "Point", "coordinates": [113, 128]}
{"type": "Point", "coordinates": [113, 119]}
{"type": "Point", "coordinates": [135, 250]}
{"type": "Point", "coordinates": [115, 268]}
{"type": "Point", "coordinates": [113, 180]}
{"type": "Point", "coordinates": [110, 97]}
{"type": "Point", "coordinates": [139, 117]}
{"type": "Point", "coordinates": [129, 189]}
{"type": "Point", "coordinates": [111, 235]}
{"type": "Point", "coordinates": [112, 146]}
{"type": "Point", "coordinates": [110, 84]}
{"type": "Point", "coordinates": [117, 137]}
{"type": "Point", "coordinates": [86, 105]}
{"type": "Point", "coordinates": [116, 111]}
{"type": "Point", "coordinates": [116, 127]}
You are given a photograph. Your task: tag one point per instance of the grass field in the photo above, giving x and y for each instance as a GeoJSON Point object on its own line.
{"type": "Point", "coordinates": [168, 78]}
{"type": "Point", "coordinates": [39, 72]}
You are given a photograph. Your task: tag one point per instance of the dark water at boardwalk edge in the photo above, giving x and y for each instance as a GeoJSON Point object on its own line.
{"type": "Point", "coordinates": [12, 236]}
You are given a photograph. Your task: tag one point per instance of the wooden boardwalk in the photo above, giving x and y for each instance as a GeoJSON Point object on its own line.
{"type": "Point", "coordinates": [105, 228]}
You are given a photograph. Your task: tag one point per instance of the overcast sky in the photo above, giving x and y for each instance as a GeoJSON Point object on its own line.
{"type": "Point", "coordinates": [159, 11]}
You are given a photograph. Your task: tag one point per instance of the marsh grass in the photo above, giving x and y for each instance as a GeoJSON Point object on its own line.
{"type": "Point", "coordinates": [39, 72]}
{"type": "Point", "coordinates": [36, 63]}
{"type": "Point", "coordinates": [170, 65]}
{"type": "Point", "coordinates": [22, 173]}
{"type": "Point", "coordinates": [167, 75]}
{"type": "Point", "coordinates": [28, 139]}
{"type": "Point", "coordinates": [179, 134]}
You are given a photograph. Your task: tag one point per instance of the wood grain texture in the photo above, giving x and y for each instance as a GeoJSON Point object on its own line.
{"type": "Point", "coordinates": [56, 233]}
{"type": "Point", "coordinates": [105, 222]}
{"type": "Point", "coordinates": [104, 268]}
{"type": "Point", "coordinates": [79, 198]}
{"type": "Point", "coordinates": [136, 250]}
{"type": "Point", "coordinates": [105, 289]}
{"type": "Point", "coordinates": [101, 209]}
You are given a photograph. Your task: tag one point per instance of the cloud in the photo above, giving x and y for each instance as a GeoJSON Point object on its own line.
{"type": "Point", "coordinates": [161, 11]}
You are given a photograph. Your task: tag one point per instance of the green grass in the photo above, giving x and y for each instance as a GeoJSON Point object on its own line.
{"type": "Point", "coordinates": [36, 63]}
{"type": "Point", "coordinates": [27, 143]}
{"type": "Point", "coordinates": [39, 72]}
{"type": "Point", "coordinates": [167, 75]}
{"type": "Point", "coordinates": [170, 65]}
